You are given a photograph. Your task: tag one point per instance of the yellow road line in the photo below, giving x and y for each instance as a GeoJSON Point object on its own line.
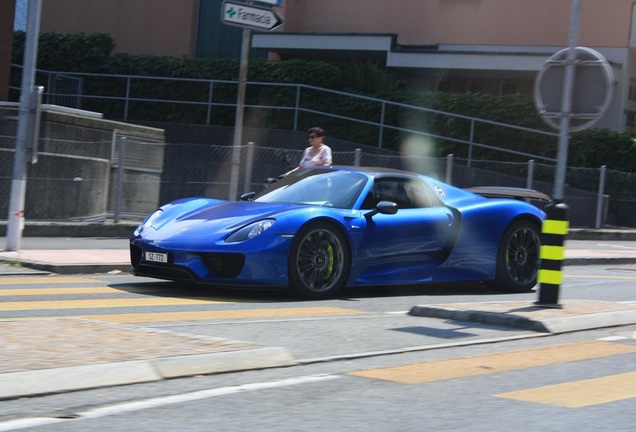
{"type": "Point", "coordinates": [582, 393]}
{"type": "Point", "coordinates": [44, 280]}
{"type": "Point", "coordinates": [213, 315]}
{"type": "Point", "coordinates": [80, 290]}
{"type": "Point", "coordinates": [104, 303]}
{"type": "Point", "coordinates": [498, 362]}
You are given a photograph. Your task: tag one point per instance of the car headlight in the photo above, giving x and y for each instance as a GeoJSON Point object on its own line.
{"type": "Point", "coordinates": [148, 221]}
{"type": "Point", "coordinates": [250, 231]}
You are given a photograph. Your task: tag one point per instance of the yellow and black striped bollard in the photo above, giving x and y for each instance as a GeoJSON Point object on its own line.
{"type": "Point", "coordinates": [552, 253]}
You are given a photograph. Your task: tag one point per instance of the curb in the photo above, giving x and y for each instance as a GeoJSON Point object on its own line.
{"type": "Point", "coordinates": [68, 269]}
{"type": "Point", "coordinates": [48, 381]}
{"type": "Point", "coordinates": [553, 320]}
{"type": "Point", "coordinates": [601, 234]}
{"type": "Point", "coordinates": [75, 229]}
{"type": "Point", "coordinates": [598, 261]}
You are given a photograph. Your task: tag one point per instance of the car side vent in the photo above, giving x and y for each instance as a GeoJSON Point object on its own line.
{"type": "Point", "coordinates": [224, 264]}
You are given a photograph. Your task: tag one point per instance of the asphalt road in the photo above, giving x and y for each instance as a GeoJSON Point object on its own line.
{"type": "Point", "coordinates": [361, 357]}
{"type": "Point", "coordinates": [355, 373]}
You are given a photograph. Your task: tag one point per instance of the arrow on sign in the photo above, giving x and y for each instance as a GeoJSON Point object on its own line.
{"type": "Point", "coordinates": [255, 17]}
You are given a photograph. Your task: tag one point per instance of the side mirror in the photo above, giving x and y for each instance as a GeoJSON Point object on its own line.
{"type": "Point", "coordinates": [248, 196]}
{"type": "Point", "coordinates": [387, 207]}
{"type": "Point", "coordinates": [384, 207]}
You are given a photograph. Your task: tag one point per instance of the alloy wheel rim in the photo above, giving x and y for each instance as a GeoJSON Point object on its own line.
{"type": "Point", "coordinates": [522, 255]}
{"type": "Point", "coordinates": [320, 260]}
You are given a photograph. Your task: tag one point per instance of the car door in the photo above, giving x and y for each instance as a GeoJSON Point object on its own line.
{"type": "Point", "coordinates": [405, 246]}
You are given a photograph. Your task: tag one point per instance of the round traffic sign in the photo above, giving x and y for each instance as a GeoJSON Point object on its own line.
{"type": "Point", "coordinates": [592, 89]}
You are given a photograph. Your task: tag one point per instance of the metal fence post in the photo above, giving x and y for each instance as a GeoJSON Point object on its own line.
{"type": "Point", "coordinates": [210, 95]}
{"type": "Point", "coordinates": [449, 169]}
{"type": "Point", "coordinates": [357, 157]}
{"type": "Point", "coordinates": [599, 199]}
{"type": "Point", "coordinates": [249, 164]}
{"type": "Point", "coordinates": [119, 180]}
{"type": "Point", "coordinates": [127, 98]}
{"type": "Point", "coordinates": [530, 179]}
{"type": "Point", "coordinates": [381, 137]}
{"type": "Point", "coordinates": [470, 142]}
{"type": "Point", "coordinates": [296, 108]}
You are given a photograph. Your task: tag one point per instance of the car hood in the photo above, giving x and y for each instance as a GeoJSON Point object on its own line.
{"type": "Point", "coordinates": [214, 219]}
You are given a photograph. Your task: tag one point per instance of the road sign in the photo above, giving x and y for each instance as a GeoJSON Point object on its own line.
{"type": "Point", "coordinates": [252, 17]}
{"type": "Point", "coordinates": [272, 2]}
{"type": "Point", "coordinates": [592, 88]}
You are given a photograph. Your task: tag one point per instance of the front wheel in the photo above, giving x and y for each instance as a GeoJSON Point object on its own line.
{"type": "Point", "coordinates": [518, 258]}
{"type": "Point", "coordinates": [319, 261]}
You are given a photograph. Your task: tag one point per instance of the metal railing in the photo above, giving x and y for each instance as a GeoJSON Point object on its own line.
{"type": "Point", "coordinates": [207, 98]}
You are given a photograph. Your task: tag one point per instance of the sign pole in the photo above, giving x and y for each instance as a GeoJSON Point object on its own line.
{"type": "Point", "coordinates": [566, 107]}
{"type": "Point", "coordinates": [15, 219]}
{"type": "Point", "coordinates": [249, 17]}
{"type": "Point", "coordinates": [238, 127]}
{"type": "Point", "coordinates": [554, 229]}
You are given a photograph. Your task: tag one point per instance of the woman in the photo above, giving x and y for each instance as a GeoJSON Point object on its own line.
{"type": "Point", "coordinates": [317, 154]}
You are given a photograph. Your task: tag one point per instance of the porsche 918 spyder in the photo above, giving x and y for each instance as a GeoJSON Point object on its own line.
{"type": "Point", "coordinates": [321, 229]}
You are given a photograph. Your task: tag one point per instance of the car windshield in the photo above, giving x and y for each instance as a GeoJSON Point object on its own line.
{"type": "Point", "coordinates": [330, 188]}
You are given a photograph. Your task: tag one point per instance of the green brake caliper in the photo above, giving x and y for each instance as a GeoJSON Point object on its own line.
{"type": "Point", "coordinates": [329, 267]}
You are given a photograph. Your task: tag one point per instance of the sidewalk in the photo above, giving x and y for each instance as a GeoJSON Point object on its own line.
{"type": "Point", "coordinates": [91, 354]}
{"type": "Point", "coordinates": [68, 248]}
{"type": "Point", "coordinates": [94, 354]}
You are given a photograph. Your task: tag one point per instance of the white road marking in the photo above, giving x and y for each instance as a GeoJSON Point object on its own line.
{"type": "Point", "coordinates": [140, 405]}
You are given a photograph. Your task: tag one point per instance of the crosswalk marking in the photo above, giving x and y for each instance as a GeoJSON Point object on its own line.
{"type": "Point", "coordinates": [121, 297]}
{"type": "Point", "coordinates": [582, 393]}
{"type": "Point", "coordinates": [44, 279]}
{"type": "Point", "coordinates": [153, 317]}
{"type": "Point", "coordinates": [498, 362]}
{"type": "Point", "coordinates": [76, 290]}
{"type": "Point", "coordinates": [104, 303]}
{"type": "Point", "coordinates": [570, 395]}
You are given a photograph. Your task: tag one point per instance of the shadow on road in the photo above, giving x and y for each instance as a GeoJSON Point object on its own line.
{"type": "Point", "coordinates": [188, 290]}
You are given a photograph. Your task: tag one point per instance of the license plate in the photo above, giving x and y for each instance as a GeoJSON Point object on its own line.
{"type": "Point", "coordinates": [157, 257]}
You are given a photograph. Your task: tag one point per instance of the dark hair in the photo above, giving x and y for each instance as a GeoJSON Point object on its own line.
{"type": "Point", "coordinates": [318, 131]}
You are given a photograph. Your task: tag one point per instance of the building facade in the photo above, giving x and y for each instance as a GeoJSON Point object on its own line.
{"type": "Point", "coordinates": [491, 46]}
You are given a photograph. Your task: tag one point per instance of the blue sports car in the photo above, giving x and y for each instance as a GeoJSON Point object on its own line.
{"type": "Point", "coordinates": [321, 229]}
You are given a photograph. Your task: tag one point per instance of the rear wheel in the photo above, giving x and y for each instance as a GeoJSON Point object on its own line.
{"type": "Point", "coordinates": [518, 258]}
{"type": "Point", "coordinates": [319, 261]}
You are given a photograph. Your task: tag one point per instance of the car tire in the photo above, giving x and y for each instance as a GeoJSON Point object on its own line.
{"type": "Point", "coordinates": [518, 258]}
{"type": "Point", "coordinates": [319, 261]}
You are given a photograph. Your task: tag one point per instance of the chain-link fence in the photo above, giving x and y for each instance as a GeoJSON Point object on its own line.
{"type": "Point", "coordinates": [129, 178]}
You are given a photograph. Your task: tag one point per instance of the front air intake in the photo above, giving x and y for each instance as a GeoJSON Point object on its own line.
{"type": "Point", "coordinates": [225, 265]}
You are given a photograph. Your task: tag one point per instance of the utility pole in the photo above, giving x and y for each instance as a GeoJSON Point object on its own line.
{"type": "Point", "coordinates": [15, 224]}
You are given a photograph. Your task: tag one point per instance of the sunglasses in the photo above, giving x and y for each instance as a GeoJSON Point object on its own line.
{"type": "Point", "coordinates": [311, 136]}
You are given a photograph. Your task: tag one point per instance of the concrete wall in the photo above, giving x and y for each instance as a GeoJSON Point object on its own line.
{"type": "Point", "coordinates": [76, 174]}
{"type": "Point", "coordinates": [55, 191]}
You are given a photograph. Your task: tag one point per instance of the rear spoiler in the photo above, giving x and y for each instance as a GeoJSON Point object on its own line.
{"type": "Point", "coordinates": [521, 194]}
